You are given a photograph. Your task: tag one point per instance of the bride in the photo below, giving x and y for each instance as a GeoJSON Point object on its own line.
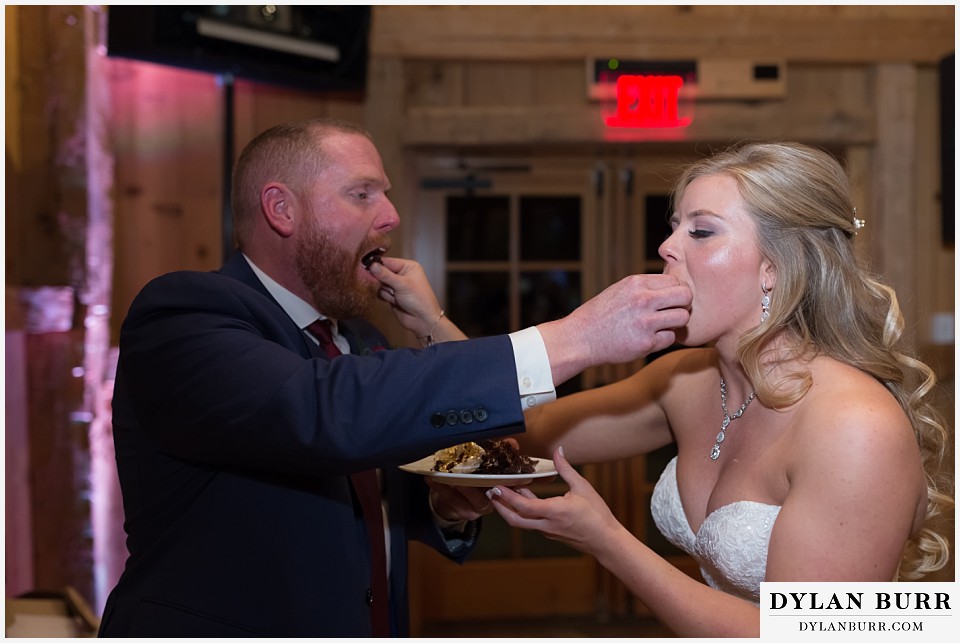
{"type": "Point", "coordinates": [807, 446]}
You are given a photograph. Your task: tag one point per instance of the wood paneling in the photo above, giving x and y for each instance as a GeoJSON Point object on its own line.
{"type": "Point", "coordinates": [894, 195]}
{"type": "Point", "coordinates": [259, 106]}
{"type": "Point", "coordinates": [18, 509]}
{"type": "Point", "coordinates": [168, 136]}
{"type": "Point", "coordinates": [835, 34]}
{"type": "Point", "coordinates": [46, 199]}
{"type": "Point", "coordinates": [384, 118]}
{"type": "Point", "coordinates": [60, 181]}
{"type": "Point", "coordinates": [543, 589]}
{"type": "Point", "coordinates": [167, 140]}
{"type": "Point", "coordinates": [59, 463]}
{"type": "Point", "coordinates": [830, 104]}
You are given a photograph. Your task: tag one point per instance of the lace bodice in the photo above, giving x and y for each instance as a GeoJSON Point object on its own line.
{"type": "Point", "coordinates": [731, 546]}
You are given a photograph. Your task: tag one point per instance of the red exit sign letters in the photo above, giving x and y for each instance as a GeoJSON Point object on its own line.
{"type": "Point", "coordinates": [648, 102]}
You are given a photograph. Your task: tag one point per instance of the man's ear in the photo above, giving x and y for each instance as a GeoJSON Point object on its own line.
{"type": "Point", "coordinates": [278, 206]}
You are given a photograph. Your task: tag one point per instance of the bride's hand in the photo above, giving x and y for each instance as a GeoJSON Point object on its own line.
{"type": "Point", "coordinates": [407, 290]}
{"type": "Point", "coordinates": [580, 518]}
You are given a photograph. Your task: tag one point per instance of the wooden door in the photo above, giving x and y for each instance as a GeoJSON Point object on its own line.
{"type": "Point", "coordinates": [506, 244]}
{"type": "Point", "coordinates": [641, 198]}
{"type": "Point", "coordinates": [511, 242]}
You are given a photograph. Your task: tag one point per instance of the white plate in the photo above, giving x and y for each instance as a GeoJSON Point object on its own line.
{"type": "Point", "coordinates": [424, 467]}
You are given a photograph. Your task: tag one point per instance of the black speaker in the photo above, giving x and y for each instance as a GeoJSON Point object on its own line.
{"type": "Point", "coordinates": [947, 149]}
{"type": "Point", "coordinates": [322, 49]}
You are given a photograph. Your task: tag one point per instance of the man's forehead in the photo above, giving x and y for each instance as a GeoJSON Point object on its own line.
{"type": "Point", "coordinates": [338, 139]}
{"type": "Point", "coordinates": [346, 144]}
{"type": "Point", "coordinates": [351, 148]}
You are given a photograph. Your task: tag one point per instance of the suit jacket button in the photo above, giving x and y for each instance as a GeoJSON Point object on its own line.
{"type": "Point", "coordinates": [480, 414]}
{"type": "Point", "coordinates": [466, 416]}
{"type": "Point", "coordinates": [452, 418]}
{"type": "Point", "coordinates": [437, 420]}
{"type": "Point", "coordinates": [369, 597]}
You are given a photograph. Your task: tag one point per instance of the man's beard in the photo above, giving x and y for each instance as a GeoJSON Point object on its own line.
{"type": "Point", "coordinates": [330, 273]}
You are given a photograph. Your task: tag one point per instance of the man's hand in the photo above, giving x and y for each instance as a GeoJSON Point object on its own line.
{"type": "Point", "coordinates": [455, 504]}
{"type": "Point", "coordinates": [634, 317]}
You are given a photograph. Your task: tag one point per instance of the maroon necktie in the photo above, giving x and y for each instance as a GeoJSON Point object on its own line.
{"type": "Point", "coordinates": [367, 487]}
{"type": "Point", "coordinates": [322, 330]}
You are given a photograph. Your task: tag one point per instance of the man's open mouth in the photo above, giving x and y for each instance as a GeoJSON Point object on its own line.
{"type": "Point", "coordinates": [373, 256]}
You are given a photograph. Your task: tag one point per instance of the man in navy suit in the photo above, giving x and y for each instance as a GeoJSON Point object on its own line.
{"type": "Point", "coordinates": [237, 433]}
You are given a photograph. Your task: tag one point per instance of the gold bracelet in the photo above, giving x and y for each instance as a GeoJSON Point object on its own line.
{"type": "Point", "coordinates": [429, 336]}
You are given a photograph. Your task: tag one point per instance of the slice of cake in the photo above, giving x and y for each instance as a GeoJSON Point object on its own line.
{"type": "Point", "coordinates": [489, 457]}
{"type": "Point", "coordinates": [462, 458]}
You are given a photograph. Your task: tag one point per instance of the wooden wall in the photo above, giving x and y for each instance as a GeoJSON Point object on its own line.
{"type": "Point", "coordinates": [168, 141]}
{"type": "Point", "coordinates": [861, 77]}
{"type": "Point", "coordinates": [49, 218]}
{"type": "Point", "coordinates": [816, 34]}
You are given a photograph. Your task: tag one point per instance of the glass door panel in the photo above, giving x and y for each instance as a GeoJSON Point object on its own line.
{"type": "Point", "coordinates": [506, 250]}
{"type": "Point", "coordinates": [479, 301]}
{"type": "Point", "coordinates": [513, 255]}
{"type": "Point", "coordinates": [550, 228]}
{"type": "Point", "coordinates": [478, 228]}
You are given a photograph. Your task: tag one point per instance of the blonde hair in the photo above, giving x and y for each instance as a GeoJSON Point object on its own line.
{"type": "Point", "coordinates": [290, 153]}
{"type": "Point", "coordinates": [829, 304]}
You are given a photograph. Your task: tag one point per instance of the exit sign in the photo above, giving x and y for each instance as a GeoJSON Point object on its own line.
{"type": "Point", "coordinates": [646, 94]}
{"type": "Point", "coordinates": [648, 101]}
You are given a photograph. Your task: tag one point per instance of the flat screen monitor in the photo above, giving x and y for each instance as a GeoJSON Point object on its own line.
{"type": "Point", "coordinates": [315, 48]}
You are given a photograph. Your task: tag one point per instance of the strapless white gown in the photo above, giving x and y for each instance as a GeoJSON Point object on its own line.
{"type": "Point", "coordinates": [731, 546]}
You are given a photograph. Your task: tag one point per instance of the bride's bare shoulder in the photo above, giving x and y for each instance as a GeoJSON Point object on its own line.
{"type": "Point", "coordinates": [848, 416]}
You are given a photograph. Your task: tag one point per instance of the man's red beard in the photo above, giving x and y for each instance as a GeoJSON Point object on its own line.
{"type": "Point", "coordinates": [330, 273]}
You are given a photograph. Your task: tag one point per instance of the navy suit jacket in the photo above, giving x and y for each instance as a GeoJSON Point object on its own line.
{"type": "Point", "coordinates": [234, 444]}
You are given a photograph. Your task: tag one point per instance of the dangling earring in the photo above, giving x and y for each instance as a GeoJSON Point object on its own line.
{"type": "Point", "coordinates": [765, 303]}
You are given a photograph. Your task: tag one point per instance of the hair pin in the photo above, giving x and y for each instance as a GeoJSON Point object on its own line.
{"type": "Point", "coordinates": [858, 224]}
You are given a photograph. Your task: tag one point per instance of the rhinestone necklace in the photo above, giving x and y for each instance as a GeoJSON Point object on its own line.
{"type": "Point", "coordinates": [727, 418]}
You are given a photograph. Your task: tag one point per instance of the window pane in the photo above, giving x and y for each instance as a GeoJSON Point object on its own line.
{"type": "Point", "coordinates": [478, 228]}
{"type": "Point", "coordinates": [550, 228]}
{"type": "Point", "coordinates": [478, 302]}
{"type": "Point", "coordinates": [657, 216]}
{"type": "Point", "coordinates": [549, 295]}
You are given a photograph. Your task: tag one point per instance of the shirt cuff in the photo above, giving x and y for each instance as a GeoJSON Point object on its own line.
{"type": "Point", "coordinates": [534, 378]}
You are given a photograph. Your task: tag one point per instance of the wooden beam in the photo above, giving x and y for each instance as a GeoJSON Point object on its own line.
{"type": "Point", "coordinates": [109, 552]}
{"type": "Point", "coordinates": [59, 468]}
{"type": "Point", "coordinates": [383, 118]}
{"type": "Point", "coordinates": [64, 180]}
{"type": "Point", "coordinates": [569, 125]}
{"type": "Point", "coordinates": [47, 183]}
{"type": "Point", "coordinates": [894, 195]}
{"type": "Point", "coordinates": [821, 34]}
{"type": "Point", "coordinates": [18, 509]}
